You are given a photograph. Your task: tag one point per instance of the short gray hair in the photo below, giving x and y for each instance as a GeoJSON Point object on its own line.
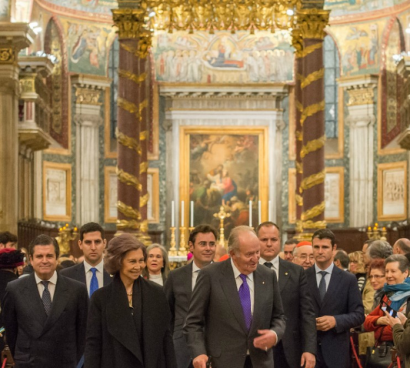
{"type": "Point", "coordinates": [233, 240]}
{"type": "Point", "coordinates": [379, 249]}
{"type": "Point", "coordinates": [165, 268]}
{"type": "Point", "coordinates": [402, 260]}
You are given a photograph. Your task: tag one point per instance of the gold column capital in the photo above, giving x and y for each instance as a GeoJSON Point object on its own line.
{"type": "Point", "coordinates": [88, 96]}
{"type": "Point", "coordinates": [297, 42]}
{"type": "Point", "coordinates": [312, 23]}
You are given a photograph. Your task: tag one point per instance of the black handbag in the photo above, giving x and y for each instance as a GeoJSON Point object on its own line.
{"type": "Point", "coordinates": [379, 356]}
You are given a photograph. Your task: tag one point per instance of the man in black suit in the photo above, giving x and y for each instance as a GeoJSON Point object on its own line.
{"type": "Point", "coordinates": [337, 302]}
{"type": "Point", "coordinates": [298, 345]}
{"type": "Point", "coordinates": [180, 283]}
{"type": "Point", "coordinates": [45, 314]}
{"type": "Point", "coordinates": [90, 272]}
{"type": "Point", "coordinates": [235, 316]}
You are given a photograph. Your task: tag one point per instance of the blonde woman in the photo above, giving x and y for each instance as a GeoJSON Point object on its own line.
{"type": "Point", "coordinates": [356, 267]}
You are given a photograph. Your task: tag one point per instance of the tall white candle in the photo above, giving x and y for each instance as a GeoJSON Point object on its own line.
{"type": "Point", "coordinates": [250, 213]}
{"type": "Point", "coordinates": [259, 212]}
{"type": "Point", "coordinates": [172, 214]}
{"type": "Point", "coordinates": [192, 214]}
{"type": "Point", "coordinates": [182, 213]}
{"type": "Point", "coordinates": [270, 211]}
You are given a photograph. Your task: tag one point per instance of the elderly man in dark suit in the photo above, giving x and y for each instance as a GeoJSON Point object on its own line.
{"type": "Point", "coordinates": [337, 302]}
{"type": "Point", "coordinates": [180, 283]}
{"type": "Point", "coordinates": [90, 272]}
{"type": "Point", "coordinates": [45, 314]}
{"type": "Point", "coordinates": [236, 315]}
{"type": "Point", "coordinates": [298, 345]}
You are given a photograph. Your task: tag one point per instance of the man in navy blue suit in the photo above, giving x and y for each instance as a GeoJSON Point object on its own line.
{"type": "Point", "coordinates": [337, 302]}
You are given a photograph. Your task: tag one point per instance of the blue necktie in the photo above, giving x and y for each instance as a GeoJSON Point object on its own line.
{"type": "Point", "coordinates": [322, 285]}
{"type": "Point", "coordinates": [245, 297]}
{"type": "Point", "coordinates": [46, 297]}
{"type": "Point", "coordinates": [94, 281]}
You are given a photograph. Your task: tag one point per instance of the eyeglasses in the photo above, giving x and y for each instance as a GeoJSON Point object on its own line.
{"type": "Point", "coordinates": [304, 257]}
{"type": "Point", "coordinates": [376, 277]}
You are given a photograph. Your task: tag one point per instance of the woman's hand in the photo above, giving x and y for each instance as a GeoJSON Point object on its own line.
{"type": "Point", "coordinates": [391, 321]}
{"type": "Point", "coordinates": [383, 321]}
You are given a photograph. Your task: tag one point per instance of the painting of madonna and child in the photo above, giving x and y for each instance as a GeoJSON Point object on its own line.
{"type": "Point", "coordinates": [224, 170]}
{"type": "Point", "coordinates": [223, 57]}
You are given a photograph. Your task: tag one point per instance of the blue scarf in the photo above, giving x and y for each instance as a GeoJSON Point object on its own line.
{"type": "Point", "coordinates": [401, 293]}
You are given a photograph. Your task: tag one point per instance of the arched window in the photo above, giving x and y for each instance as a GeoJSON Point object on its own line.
{"type": "Point", "coordinates": [332, 72]}
{"type": "Point", "coordinates": [113, 63]}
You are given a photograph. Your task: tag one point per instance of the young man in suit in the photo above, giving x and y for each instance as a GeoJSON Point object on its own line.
{"type": "Point", "coordinates": [180, 283]}
{"type": "Point", "coordinates": [235, 316]}
{"type": "Point", "coordinates": [90, 272]}
{"type": "Point", "coordinates": [337, 301]}
{"type": "Point", "coordinates": [298, 345]}
{"type": "Point", "coordinates": [45, 314]}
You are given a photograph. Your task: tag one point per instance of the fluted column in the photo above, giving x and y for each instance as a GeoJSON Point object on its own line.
{"type": "Point", "coordinates": [361, 119]}
{"type": "Point", "coordinates": [297, 43]}
{"type": "Point", "coordinates": [311, 25]}
{"type": "Point", "coordinates": [135, 40]}
{"type": "Point", "coordinates": [88, 118]}
{"type": "Point", "coordinates": [13, 38]}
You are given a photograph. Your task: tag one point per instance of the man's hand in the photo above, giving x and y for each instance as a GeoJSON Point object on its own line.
{"type": "Point", "coordinates": [200, 361]}
{"type": "Point", "coordinates": [391, 321]}
{"type": "Point", "coordinates": [308, 360]}
{"type": "Point", "coordinates": [325, 323]}
{"type": "Point", "coordinates": [266, 340]}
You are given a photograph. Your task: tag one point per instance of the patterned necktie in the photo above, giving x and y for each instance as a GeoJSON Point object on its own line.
{"type": "Point", "coordinates": [245, 297]}
{"type": "Point", "coordinates": [322, 285]}
{"type": "Point", "coordinates": [268, 264]}
{"type": "Point", "coordinates": [94, 281]}
{"type": "Point", "coordinates": [46, 298]}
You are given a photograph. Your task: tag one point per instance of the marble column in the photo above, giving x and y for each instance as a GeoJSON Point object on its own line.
{"type": "Point", "coordinates": [132, 101]}
{"type": "Point", "coordinates": [88, 118]}
{"type": "Point", "coordinates": [13, 38]}
{"type": "Point", "coordinates": [297, 43]}
{"type": "Point", "coordinates": [361, 119]}
{"type": "Point", "coordinates": [312, 23]}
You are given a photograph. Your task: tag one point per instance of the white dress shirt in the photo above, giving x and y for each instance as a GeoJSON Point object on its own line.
{"type": "Point", "coordinates": [89, 274]}
{"type": "Point", "coordinates": [195, 272]}
{"type": "Point", "coordinates": [51, 285]}
{"type": "Point", "coordinates": [249, 281]}
{"type": "Point", "coordinates": [329, 271]}
{"type": "Point", "coordinates": [275, 265]}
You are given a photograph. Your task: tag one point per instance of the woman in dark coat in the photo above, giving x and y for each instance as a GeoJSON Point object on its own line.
{"type": "Point", "coordinates": [129, 320]}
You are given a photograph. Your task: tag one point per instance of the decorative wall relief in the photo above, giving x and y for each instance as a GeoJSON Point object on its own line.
{"type": "Point", "coordinates": [87, 46]}
{"type": "Point", "coordinates": [392, 191]}
{"type": "Point", "coordinates": [5, 10]}
{"type": "Point", "coordinates": [223, 57]}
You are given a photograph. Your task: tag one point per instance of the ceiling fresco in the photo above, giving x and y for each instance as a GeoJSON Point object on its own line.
{"type": "Point", "coordinates": [348, 7]}
{"type": "Point", "coordinates": [89, 6]}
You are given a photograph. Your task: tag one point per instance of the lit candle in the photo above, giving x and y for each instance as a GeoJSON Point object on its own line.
{"type": "Point", "coordinates": [259, 212]}
{"type": "Point", "coordinates": [192, 214]}
{"type": "Point", "coordinates": [270, 212]}
{"type": "Point", "coordinates": [172, 214]}
{"type": "Point", "coordinates": [250, 213]}
{"type": "Point", "coordinates": [182, 213]}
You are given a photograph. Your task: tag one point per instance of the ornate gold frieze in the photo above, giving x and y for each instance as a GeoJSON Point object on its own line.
{"type": "Point", "coordinates": [313, 212]}
{"type": "Point", "coordinates": [360, 96]}
{"type": "Point", "coordinates": [312, 146]}
{"type": "Point", "coordinates": [28, 84]}
{"type": "Point", "coordinates": [132, 76]}
{"type": "Point", "coordinates": [128, 211]}
{"type": "Point", "coordinates": [297, 42]}
{"type": "Point", "coordinates": [314, 225]}
{"type": "Point", "coordinates": [311, 110]}
{"type": "Point", "coordinates": [129, 142]}
{"type": "Point", "coordinates": [312, 23]}
{"type": "Point", "coordinates": [87, 96]}
{"type": "Point", "coordinates": [144, 200]}
{"type": "Point", "coordinates": [129, 179]}
{"type": "Point", "coordinates": [312, 180]}
{"type": "Point", "coordinates": [7, 55]}
{"type": "Point", "coordinates": [312, 77]}
{"type": "Point", "coordinates": [125, 224]}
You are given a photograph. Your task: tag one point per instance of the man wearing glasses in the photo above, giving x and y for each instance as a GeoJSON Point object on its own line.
{"type": "Point", "coordinates": [303, 255]}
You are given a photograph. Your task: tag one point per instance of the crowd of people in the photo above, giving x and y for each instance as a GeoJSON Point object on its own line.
{"type": "Point", "coordinates": [253, 305]}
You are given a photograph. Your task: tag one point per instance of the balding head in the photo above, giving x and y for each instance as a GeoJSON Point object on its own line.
{"type": "Point", "coordinates": [401, 246]}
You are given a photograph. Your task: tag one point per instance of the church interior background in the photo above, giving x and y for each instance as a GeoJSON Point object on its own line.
{"type": "Point", "coordinates": [239, 118]}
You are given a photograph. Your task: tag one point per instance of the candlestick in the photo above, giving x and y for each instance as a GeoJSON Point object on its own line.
{"type": "Point", "coordinates": [250, 213]}
{"type": "Point", "coordinates": [172, 250]}
{"type": "Point", "coordinates": [182, 250]}
{"type": "Point", "coordinates": [270, 211]}
{"type": "Point", "coordinates": [192, 214]}
{"type": "Point", "coordinates": [259, 212]}
{"type": "Point", "coordinates": [182, 213]}
{"type": "Point", "coordinates": [173, 214]}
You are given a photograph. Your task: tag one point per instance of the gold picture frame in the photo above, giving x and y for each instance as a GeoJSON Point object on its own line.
{"type": "Point", "coordinates": [334, 195]}
{"type": "Point", "coordinates": [392, 191]}
{"type": "Point", "coordinates": [56, 191]}
{"type": "Point", "coordinates": [186, 132]}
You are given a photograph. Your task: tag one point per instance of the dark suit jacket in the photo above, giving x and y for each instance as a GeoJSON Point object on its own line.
{"type": "Point", "coordinates": [112, 336]}
{"type": "Point", "coordinates": [36, 340]}
{"type": "Point", "coordinates": [178, 290]}
{"type": "Point", "coordinates": [77, 272]}
{"type": "Point", "coordinates": [343, 301]}
{"type": "Point", "coordinates": [215, 324]}
{"type": "Point", "coordinates": [300, 334]}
